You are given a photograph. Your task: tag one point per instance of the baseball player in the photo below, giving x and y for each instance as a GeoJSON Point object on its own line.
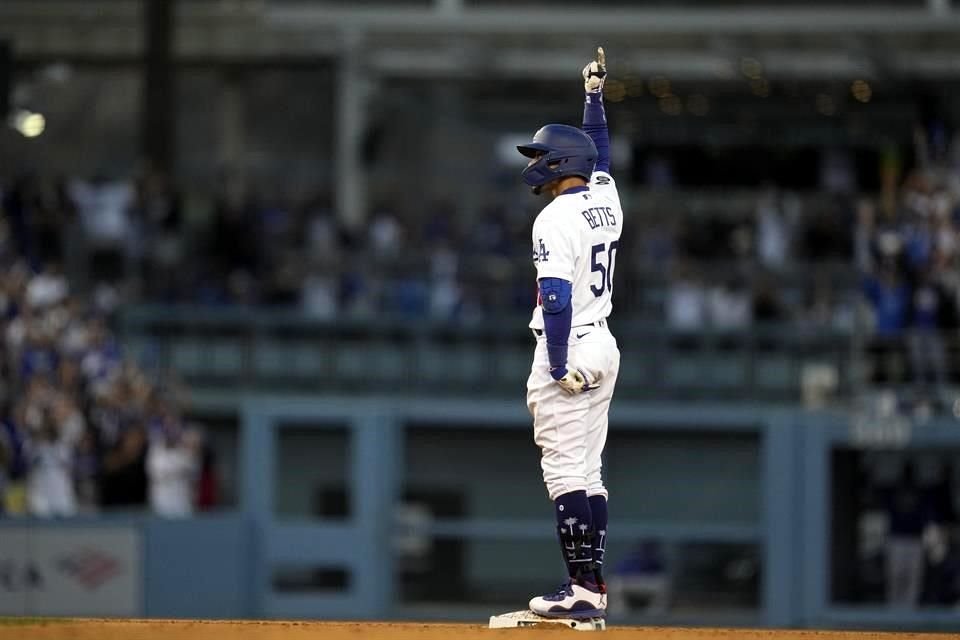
{"type": "Point", "coordinates": [576, 361]}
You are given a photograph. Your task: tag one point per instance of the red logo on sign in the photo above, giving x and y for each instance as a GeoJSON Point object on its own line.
{"type": "Point", "coordinates": [89, 567]}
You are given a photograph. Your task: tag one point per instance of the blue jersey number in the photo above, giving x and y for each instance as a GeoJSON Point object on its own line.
{"type": "Point", "coordinates": [606, 272]}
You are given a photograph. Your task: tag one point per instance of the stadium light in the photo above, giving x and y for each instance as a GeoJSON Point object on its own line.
{"type": "Point", "coordinates": [861, 90]}
{"type": "Point", "coordinates": [29, 124]}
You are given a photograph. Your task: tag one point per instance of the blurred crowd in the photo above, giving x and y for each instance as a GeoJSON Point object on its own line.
{"type": "Point", "coordinates": [150, 242]}
{"type": "Point", "coordinates": [778, 258]}
{"type": "Point", "coordinates": [907, 257]}
{"type": "Point", "coordinates": [730, 265]}
{"type": "Point", "coordinates": [82, 429]}
{"type": "Point", "coordinates": [884, 269]}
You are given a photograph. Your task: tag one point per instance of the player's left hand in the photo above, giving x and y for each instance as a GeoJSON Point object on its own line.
{"type": "Point", "coordinates": [595, 73]}
{"type": "Point", "coordinates": [574, 380]}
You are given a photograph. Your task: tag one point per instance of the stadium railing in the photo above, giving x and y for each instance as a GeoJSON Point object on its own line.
{"type": "Point", "coordinates": [287, 351]}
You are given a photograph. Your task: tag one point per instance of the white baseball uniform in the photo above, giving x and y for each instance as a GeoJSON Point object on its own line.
{"type": "Point", "coordinates": [576, 238]}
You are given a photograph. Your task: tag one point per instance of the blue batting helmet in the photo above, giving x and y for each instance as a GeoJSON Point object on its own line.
{"type": "Point", "coordinates": [566, 151]}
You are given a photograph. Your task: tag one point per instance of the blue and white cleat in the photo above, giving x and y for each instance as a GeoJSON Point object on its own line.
{"type": "Point", "coordinates": [576, 599]}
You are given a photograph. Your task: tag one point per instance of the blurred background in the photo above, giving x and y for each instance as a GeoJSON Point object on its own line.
{"type": "Point", "coordinates": [265, 278]}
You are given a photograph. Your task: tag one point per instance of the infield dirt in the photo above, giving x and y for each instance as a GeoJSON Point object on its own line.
{"type": "Point", "coordinates": [302, 630]}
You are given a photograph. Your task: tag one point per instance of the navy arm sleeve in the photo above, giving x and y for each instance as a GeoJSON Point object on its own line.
{"type": "Point", "coordinates": [555, 294]}
{"type": "Point", "coordinates": [595, 126]}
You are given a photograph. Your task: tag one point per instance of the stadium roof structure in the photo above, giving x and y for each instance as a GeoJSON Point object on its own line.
{"type": "Point", "coordinates": [908, 39]}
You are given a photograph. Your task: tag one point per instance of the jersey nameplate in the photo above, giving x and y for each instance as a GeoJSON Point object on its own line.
{"type": "Point", "coordinates": [599, 217]}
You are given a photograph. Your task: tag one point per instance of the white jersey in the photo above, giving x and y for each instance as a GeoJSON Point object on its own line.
{"type": "Point", "coordinates": [576, 238]}
{"type": "Point", "coordinates": [172, 470]}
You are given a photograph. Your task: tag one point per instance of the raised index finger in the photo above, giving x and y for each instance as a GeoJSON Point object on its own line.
{"type": "Point", "coordinates": [601, 56]}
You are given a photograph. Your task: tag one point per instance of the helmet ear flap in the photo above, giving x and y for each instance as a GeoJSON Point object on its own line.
{"type": "Point", "coordinates": [559, 150]}
{"type": "Point", "coordinates": [540, 172]}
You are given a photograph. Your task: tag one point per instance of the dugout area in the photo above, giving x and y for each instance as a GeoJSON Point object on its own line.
{"type": "Point", "coordinates": [88, 629]}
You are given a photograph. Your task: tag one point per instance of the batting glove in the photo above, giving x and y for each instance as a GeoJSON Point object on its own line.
{"type": "Point", "coordinates": [574, 380]}
{"type": "Point", "coordinates": [595, 73]}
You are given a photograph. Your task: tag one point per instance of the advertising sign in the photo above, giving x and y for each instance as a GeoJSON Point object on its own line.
{"type": "Point", "coordinates": [67, 571]}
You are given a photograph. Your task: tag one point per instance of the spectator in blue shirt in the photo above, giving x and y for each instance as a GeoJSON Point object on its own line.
{"type": "Point", "coordinates": [889, 298]}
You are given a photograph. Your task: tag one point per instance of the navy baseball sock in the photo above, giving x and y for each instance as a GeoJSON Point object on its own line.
{"type": "Point", "coordinates": [598, 509]}
{"type": "Point", "coordinates": [575, 531]}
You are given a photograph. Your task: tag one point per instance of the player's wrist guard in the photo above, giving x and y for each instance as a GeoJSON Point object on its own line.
{"type": "Point", "coordinates": [557, 355]}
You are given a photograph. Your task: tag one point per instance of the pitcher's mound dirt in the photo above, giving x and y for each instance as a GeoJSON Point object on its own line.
{"type": "Point", "coordinates": [253, 630]}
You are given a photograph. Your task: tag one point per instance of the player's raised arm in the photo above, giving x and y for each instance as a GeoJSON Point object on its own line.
{"type": "Point", "coordinates": [594, 116]}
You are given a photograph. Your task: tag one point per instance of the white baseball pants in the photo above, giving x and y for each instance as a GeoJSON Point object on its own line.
{"type": "Point", "coordinates": [571, 430]}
